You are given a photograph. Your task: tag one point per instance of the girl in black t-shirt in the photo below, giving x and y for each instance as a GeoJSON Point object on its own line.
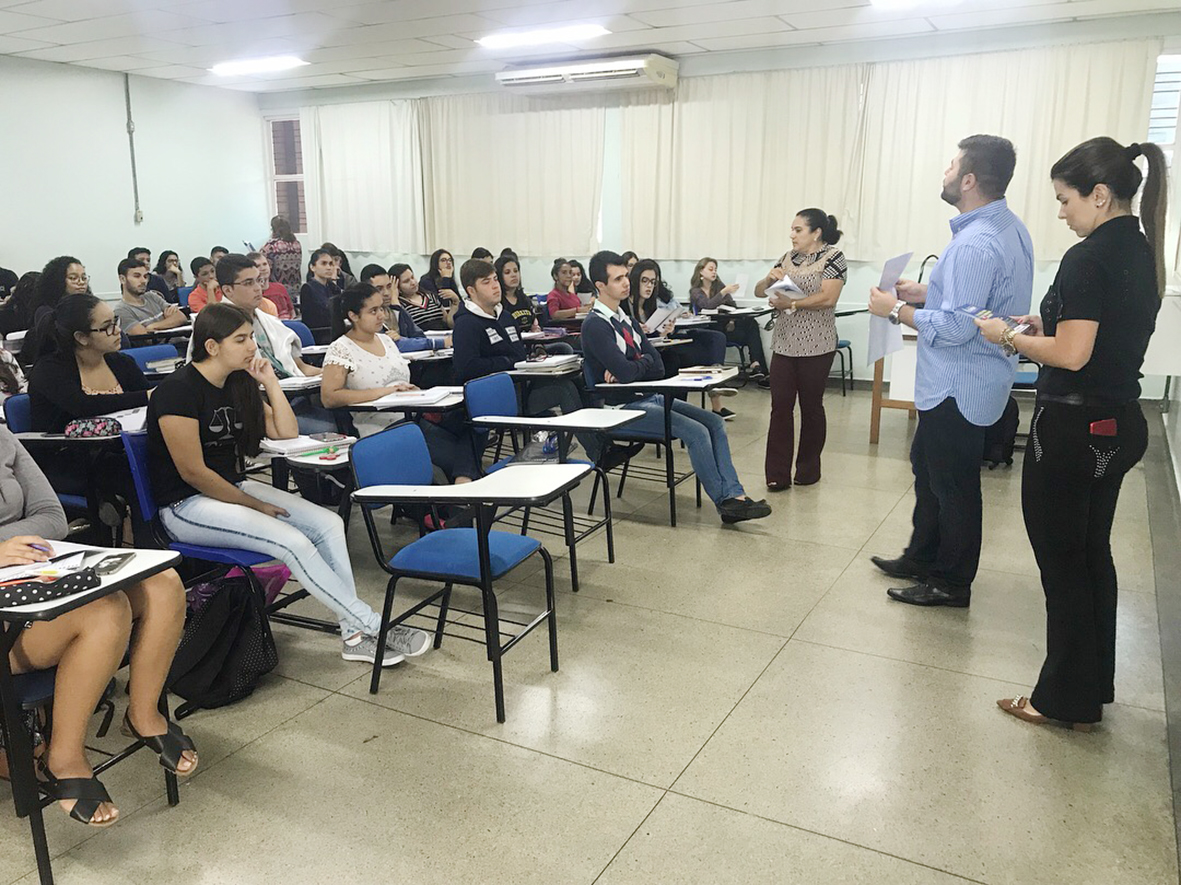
{"type": "Point", "coordinates": [202, 421]}
{"type": "Point", "coordinates": [1087, 430]}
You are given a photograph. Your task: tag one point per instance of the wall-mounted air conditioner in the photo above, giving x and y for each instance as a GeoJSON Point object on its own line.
{"type": "Point", "coordinates": [631, 72]}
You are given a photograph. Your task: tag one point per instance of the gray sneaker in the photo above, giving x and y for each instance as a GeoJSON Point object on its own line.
{"type": "Point", "coordinates": [407, 641]}
{"type": "Point", "coordinates": [364, 650]}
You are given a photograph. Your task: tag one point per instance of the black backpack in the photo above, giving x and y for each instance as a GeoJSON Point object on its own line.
{"type": "Point", "coordinates": [227, 647]}
{"type": "Point", "coordinates": [1001, 437]}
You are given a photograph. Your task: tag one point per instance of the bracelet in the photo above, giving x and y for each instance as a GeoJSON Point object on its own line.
{"type": "Point", "coordinates": [1008, 347]}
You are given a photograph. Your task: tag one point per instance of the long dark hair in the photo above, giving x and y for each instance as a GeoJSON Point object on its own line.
{"type": "Point", "coordinates": [585, 285]}
{"type": "Point", "coordinates": [1104, 160]}
{"type": "Point", "coordinates": [52, 285]}
{"type": "Point", "coordinates": [351, 300]}
{"type": "Point", "coordinates": [502, 262]}
{"type": "Point", "coordinates": [217, 322]}
{"type": "Point", "coordinates": [71, 315]}
{"type": "Point", "coordinates": [432, 273]}
{"type": "Point", "coordinates": [642, 308]}
{"type": "Point", "coordinates": [162, 261]}
{"type": "Point", "coordinates": [281, 229]}
{"type": "Point", "coordinates": [697, 281]}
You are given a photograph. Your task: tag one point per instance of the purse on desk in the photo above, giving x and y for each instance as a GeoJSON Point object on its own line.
{"type": "Point", "coordinates": [30, 591]}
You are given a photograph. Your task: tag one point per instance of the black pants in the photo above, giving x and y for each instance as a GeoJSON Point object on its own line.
{"type": "Point", "coordinates": [1069, 489]}
{"type": "Point", "coordinates": [945, 457]}
{"type": "Point", "coordinates": [746, 332]}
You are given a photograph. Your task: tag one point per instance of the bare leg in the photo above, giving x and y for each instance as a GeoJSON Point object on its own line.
{"type": "Point", "coordinates": [87, 647]}
{"type": "Point", "coordinates": [158, 613]}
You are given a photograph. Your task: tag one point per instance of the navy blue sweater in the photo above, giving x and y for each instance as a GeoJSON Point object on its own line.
{"type": "Point", "coordinates": [601, 353]}
{"type": "Point", "coordinates": [483, 345]}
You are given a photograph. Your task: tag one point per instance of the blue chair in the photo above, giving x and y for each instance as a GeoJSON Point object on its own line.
{"type": "Point", "coordinates": [473, 557]}
{"type": "Point", "coordinates": [182, 295]}
{"type": "Point", "coordinates": [151, 353]}
{"type": "Point", "coordinates": [843, 346]}
{"type": "Point", "coordinates": [18, 414]}
{"type": "Point", "coordinates": [306, 339]}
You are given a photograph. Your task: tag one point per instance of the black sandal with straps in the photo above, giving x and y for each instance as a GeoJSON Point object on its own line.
{"type": "Point", "coordinates": [169, 747]}
{"type": "Point", "coordinates": [88, 793]}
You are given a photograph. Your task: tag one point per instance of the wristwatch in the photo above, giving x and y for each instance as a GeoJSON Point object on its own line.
{"type": "Point", "coordinates": [895, 316]}
{"type": "Point", "coordinates": [1008, 345]}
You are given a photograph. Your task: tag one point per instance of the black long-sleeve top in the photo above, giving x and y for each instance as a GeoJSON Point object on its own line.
{"type": "Point", "coordinates": [56, 397]}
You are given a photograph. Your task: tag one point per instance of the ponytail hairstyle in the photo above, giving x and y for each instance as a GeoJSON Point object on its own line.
{"type": "Point", "coordinates": [698, 282]}
{"type": "Point", "coordinates": [72, 315]}
{"type": "Point", "coordinates": [558, 262]}
{"type": "Point", "coordinates": [830, 235]}
{"type": "Point", "coordinates": [351, 300]}
{"type": "Point", "coordinates": [1104, 160]}
{"type": "Point", "coordinates": [217, 322]}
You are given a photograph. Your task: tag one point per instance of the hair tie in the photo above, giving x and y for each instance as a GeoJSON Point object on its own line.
{"type": "Point", "coordinates": [1133, 151]}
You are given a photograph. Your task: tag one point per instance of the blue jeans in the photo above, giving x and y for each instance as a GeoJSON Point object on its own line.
{"type": "Point", "coordinates": [311, 416]}
{"type": "Point", "coordinates": [310, 542]}
{"type": "Point", "coordinates": [704, 435]}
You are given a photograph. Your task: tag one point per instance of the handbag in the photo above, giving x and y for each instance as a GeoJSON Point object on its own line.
{"type": "Point", "coordinates": [36, 590]}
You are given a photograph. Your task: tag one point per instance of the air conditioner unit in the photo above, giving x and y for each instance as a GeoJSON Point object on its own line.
{"type": "Point", "coordinates": [593, 75]}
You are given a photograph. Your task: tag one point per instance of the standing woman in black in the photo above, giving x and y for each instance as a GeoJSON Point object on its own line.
{"type": "Point", "coordinates": [1087, 430]}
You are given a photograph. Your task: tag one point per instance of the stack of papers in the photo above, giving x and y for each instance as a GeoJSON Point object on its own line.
{"type": "Point", "coordinates": [428, 397]}
{"type": "Point", "coordinates": [788, 288]}
{"type": "Point", "coordinates": [131, 420]}
{"type": "Point", "coordinates": [553, 363]}
{"type": "Point", "coordinates": [302, 444]}
{"type": "Point", "coordinates": [300, 382]}
{"type": "Point", "coordinates": [441, 353]}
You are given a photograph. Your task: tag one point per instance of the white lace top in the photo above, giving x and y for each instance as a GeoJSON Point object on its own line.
{"type": "Point", "coordinates": [368, 370]}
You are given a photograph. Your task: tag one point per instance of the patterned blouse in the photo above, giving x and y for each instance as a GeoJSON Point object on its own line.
{"type": "Point", "coordinates": [809, 332]}
{"type": "Point", "coordinates": [286, 261]}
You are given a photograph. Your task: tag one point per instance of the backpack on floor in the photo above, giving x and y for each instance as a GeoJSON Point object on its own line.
{"type": "Point", "coordinates": [1001, 437]}
{"type": "Point", "coordinates": [227, 647]}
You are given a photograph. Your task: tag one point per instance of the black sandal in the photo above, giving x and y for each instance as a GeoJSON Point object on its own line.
{"type": "Point", "coordinates": [88, 793]}
{"type": "Point", "coordinates": [169, 747]}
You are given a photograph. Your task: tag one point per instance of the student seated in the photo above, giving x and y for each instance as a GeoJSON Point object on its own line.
{"type": "Point", "coordinates": [515, 303]}
{"type": "Point", "coordinates": [141, 311]}
{"type": "Point", "coordinates": [562, 302]}
{"type": "Point", "coordinates": [205, 288]}
{"type": "Point", "coordinates": [363, 365]}
{"type": "Point", "coordinates": [425, 307]}
{"type": "Point", "coordinates": [84, 374]}
{"type": "Point", "coordinates": [486, 341]}
{"type": "Point", "coordinates": [204, 419]}
{"type": "Point", "coordinates": [217, 253]}
{"type": "Point", "coordinates": [440, 280]}
{"type": "Point", "coordinates": [399, 325]}
{"type": "Point", "coordinates": [61, 277]}
{"type": "Point", "coordinates": [87, 646]}
{"type": "Point", "coordinates": [16, 314]}
{"type": "Point", "coordinates": [242, 284]}
{"type": "Point", "coordinates": [707, 292]}
{"type": "Point", "coordinates": [276, 300]}
{"type": "Point", "coordinates": [616, 350]}
{"type": "Point", "coordinates": [315, 294]}
{"type": "Point", "coordinates": [343, 275]}
{"type": "Point", "coordinates": [580, 283]}
{"type": "Point", "coordinates": [169, 270]}
{"type": "Point", "coordinates": [156, 282]}
{"type": "Point", "coordinates": [12, 376]}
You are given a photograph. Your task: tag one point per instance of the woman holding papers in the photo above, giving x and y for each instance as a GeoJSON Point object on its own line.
{"type": "Point", "coordinates": [203, 421]}
{"type": "Point", "coordinates": [363, 365]}
{"type": "Point", "coordinates": [804, 343]}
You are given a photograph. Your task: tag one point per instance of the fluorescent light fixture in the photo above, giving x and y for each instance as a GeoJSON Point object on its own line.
{"type": "Point", "coordinates": [257, 66]}
{"type": "Point", "coordinates": [541, 36]}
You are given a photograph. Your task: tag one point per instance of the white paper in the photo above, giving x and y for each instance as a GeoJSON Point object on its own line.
{"type": "Point", "coordinates": [741, 280]}
{"type": "Point", "coordinates": [131, 420]}
{"type": "Point", "coordinates": [885, 337]}
{"type": "Point", "coordinates": [303, 443]}
{"type": "Point", "coordinates": [790, 289]}
{"type": "Point", "coordinates": [299, 382]}
{"type": "Point", "coordinates": [660, 316]}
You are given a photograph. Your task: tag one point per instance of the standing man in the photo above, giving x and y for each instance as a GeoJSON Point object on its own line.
{"type": "Point", "coordinates": [141, 311]}
{"type": "Point", "coordinates": [961, 383]}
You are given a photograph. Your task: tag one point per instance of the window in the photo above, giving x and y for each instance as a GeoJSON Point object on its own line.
{"type": "Point", "coordinates": [287, 174]}
{"type": "Point", "coordinates": [1166, 98]}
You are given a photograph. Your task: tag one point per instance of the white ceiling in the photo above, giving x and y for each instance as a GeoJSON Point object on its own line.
{"type": "Point", "coordinates": [359, 42]}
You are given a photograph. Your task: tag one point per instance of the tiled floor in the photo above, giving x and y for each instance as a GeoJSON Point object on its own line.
{"type": "Point", "coordinates": [734, 705]}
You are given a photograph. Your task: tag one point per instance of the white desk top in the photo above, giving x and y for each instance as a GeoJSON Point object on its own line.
{"type": "Point", "coordinates": [299, 383]}
{"type": "Point", "coordinates": [661, 343]}
{"type": "Point", "coordinates": [680, 382]}
{"type": "Point", "coordinates": [314, 349]}
{"type": "Point", "coordinates": [427, 356]}
{"type": "Point", "coordinates": [321, 462]}
{"type": "Point", "coordinates": [450, 401]}
{"type": "Point", "coordinates": [515, 485]}
{"type": "Point", "coordinates": [582, 419]}
{"type": "Point", "coordinates": [145, 563]}
{"type": "Point", "coordinates": [694, 321]}
{"type": "Point", "coordinates": [558, 372]}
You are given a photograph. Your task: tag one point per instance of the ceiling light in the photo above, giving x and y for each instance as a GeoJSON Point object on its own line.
{"type": "Point", "coordinates": [568, 34]}
{"type": "Point", "coordinates": [257, 65]}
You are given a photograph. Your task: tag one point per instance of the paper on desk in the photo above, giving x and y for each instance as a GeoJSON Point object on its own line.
{"type": "Point", "coordinates": [884, 336]}
{"type": "Point", "coordinates": [131, 420]}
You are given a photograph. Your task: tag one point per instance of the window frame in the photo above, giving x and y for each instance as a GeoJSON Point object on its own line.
{"type": "Point", "coordinates": [274, 179]}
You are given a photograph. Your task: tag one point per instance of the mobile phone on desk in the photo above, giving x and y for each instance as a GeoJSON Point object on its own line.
{"type": "Point", "coordinates": [327, 436]}
{"type": "Point", "coordinates": [111, 564]}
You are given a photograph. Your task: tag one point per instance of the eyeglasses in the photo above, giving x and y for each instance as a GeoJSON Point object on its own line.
{"type": "Point", "coordinates": [74, 278]}
{"type": "Point", "coordinates": [111, 328]}
{"type": "Point", "coordinates": [247, 284]}
{"type": "Point", "coordinates": [446, 261]}
{"type": "Point", "coordinates": [646, 281]}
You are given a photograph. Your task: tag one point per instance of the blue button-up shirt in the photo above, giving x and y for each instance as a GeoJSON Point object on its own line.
{"type": "Point", "coordinates": [988, 263]}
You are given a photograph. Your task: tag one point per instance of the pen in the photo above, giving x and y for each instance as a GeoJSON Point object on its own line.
{"type": "Point", "coordinates": [41, 548]}
{"type": "Point", "coordinates": [327, 450]}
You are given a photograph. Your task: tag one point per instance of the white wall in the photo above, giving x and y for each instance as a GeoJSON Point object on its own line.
{"type": "Point", "coordinates": [67, 172]}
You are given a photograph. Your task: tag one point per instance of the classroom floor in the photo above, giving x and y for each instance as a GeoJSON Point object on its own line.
{"type": "Point", "coordinates": [735, 705]}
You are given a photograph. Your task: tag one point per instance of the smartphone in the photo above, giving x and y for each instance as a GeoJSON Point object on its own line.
{"type": "Point", "coordinates": [327, 436]}
{"type": "Point", "coordinates": [111, 564]}
{"type": "Point", "coordinates": [1106, 427]}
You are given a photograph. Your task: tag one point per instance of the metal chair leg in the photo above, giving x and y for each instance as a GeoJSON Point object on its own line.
{"type": "Point", "coordinates": [386, 609]}
{"type": "Point", "coordinates": [607, 517]}
{"type": "Point", "coordinates": [552, 608]}
{"type": "Point", "coordinates": [444, 605]}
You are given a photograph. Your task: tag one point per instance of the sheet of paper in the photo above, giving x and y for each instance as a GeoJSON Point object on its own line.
{"type": "Point", "coordinates": [884, 336]}
{"type": "Point", "coordinates": [788, 288]}
{"type": "Point", "coordinates": [742, 280]}
{"type": "Point", "coordinates": [131, 420]}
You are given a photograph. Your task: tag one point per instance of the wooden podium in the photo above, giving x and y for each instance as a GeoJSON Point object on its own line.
{"type": "Point", "coordinates": [901, 384]}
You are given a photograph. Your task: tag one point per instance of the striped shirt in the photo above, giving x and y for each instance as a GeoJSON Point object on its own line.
{"type": "Point", "coordinates": [988, 263]}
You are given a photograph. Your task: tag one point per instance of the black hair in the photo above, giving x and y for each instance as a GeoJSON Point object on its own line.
{"type": "Point", "coordinates": [992, 160]}
{"type": "Point", "coordinates": [628, 256]}
{"type": "Point", "coordinates": [336, 252]}
{"type": "Point", "coordinates": [432, 273]}
{"type": "Point", "coordinates": [351, 300]}
{"type": "Point", "coordinates": [219, 249]}
{"type": "Point", "coordinates": [281, 229]}
{"type": "Point", "coordinates": [127, 264]}
{"type": "Point", "coordinates": [71, 315]}
{"type": "Point", "coordinates": [197, 263]}
{"type": "Point", "coordinates": [315, 256]}
{"type": "Point", "coordinates": [508, 250]}
{"type": "Point", "coordinates": [230, 266]}
{"type": "Point", "coordinates": [481, 253]}
{"type": "Point", "coordinates": [131, 253]}
{"type": "Point", "coordinates": [639, 307]}
{"type": "Point", "coordinates": [1104, 160]}
{"type": "Point", "coordinates": [217, 322]}
{"type": "Point", "coordinates": [369, 271]}
{"type": "Point", "coordinates": [830, 234]}
{"type": "Point", "coordinates": [503, 261]}
{"type": "Point", "coordinates": [162, 261]}
{"type": "Point", "coordinates": [52, 284]}
{"type": "Point", "coordinates": [599, 263]}
{"type": "Point", "coordinates": [553, 271]}
{"type": "Point", "coordinates": [584, 284]}
{"type": "Point", "coordinates": [473, 270]}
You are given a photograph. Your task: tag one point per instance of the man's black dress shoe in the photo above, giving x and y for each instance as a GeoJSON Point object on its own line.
{"type": "Point", "coordinates": [925, 594]}
{"type": "Point", "coordinates": [900, 568]}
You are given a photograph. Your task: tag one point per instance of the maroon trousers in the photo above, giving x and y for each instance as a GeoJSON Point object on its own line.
{"type": "Point", "coordinates": [804, 377]}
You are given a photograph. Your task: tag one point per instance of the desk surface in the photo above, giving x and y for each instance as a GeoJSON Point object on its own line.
{"type": "Point", "coordinates": [453, 400]}
{"type": "Point", "coordinates": [144, 564]}
{"type": "Point", "coordinates": [582, 419]}
{"type": "Point", "coordinates": [560, 372]}
{"type": "Point", "coordinates": [661, 343]}
{"type": "Point", "coordinates": [703, 381]}
{"type": "Point", "coordinates": [517, 484]}
{"type": "Point", "coordinates": [852, 311]}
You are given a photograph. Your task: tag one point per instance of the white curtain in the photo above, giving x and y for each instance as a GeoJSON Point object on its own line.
{"type": "Point", "coordinates": [1044, 100]}
{"type": "Point", "coordinates": [509, 170]}
{"type": "Point", "coordinates": [363, 176]}
{"type": "Point", "coordinates": [721, 169]}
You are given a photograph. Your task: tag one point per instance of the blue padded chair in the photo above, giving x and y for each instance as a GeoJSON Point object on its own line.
{"type": "Point", "coordinates": [399, 456]}
{"type": "Point", "coordinates": [18, 414]}
{"type": "Point", "coordinates": [301, 330]}
{"type": "Point", "coordinates": [844, 346]}
{"type": "Point", "coordinates": [182, 295]}
{"type": "Point", "coordinates": [151, 353]}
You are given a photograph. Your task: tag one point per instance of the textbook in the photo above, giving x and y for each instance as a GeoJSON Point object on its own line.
{"type": "Point", "coordinates": [983, 313]}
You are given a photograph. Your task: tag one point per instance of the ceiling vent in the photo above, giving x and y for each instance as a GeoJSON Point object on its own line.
{"type": "Point", "coordinates": [594, 75]}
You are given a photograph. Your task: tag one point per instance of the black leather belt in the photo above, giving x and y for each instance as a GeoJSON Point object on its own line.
{"type": "Point", "coordinates": [1077, 399]}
